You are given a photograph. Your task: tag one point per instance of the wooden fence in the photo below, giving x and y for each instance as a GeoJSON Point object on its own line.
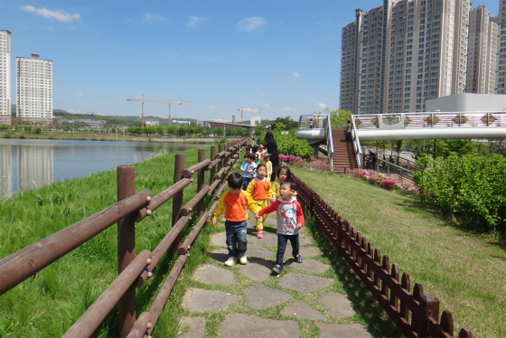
{"type": "Point", "coordinates": [133, 269]}
{"type": "Point", "coordinates": [416, 314]}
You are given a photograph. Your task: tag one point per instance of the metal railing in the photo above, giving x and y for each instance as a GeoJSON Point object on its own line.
{"type": "Point", "coordinates": [430, 120]}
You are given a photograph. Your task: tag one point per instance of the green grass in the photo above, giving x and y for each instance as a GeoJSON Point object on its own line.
{"type": "Point", "coordinates": [48, 303]}
{"type": "Point", "coordinates": [465, 271]}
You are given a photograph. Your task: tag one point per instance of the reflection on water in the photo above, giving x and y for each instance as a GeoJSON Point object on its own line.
{"type": "Point", "coordinates": [28, 164]}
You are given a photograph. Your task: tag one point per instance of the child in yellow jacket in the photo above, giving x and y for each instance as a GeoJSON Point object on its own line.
{"type": "Point", "coordinates": [235, 202]}
{"type": "Point", "coordinates": [260, 190]}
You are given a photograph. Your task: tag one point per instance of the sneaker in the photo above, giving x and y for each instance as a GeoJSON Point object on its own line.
{"type": "Point", "coordinates": [243, 260]}
{"type": "Point", "coordinates": [231, 261]}
{"type": "Point", "coordinates": [260, 234]}
{"type": "Point", "coordinates": [298, 258]}
{"type": "Point", "coordinates": [277, 269]}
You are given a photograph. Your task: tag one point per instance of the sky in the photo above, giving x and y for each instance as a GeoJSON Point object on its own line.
{"type": "Point", "coordinates": [276, 58]}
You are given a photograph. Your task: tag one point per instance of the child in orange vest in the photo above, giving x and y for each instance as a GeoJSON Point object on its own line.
{"type": "Point", "coordinates": [260, 190]}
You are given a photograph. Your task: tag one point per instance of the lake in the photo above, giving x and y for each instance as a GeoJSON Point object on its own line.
{"type": "Point", "coordinates": [29, 164]}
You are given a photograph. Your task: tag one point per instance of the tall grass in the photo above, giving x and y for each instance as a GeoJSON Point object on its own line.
{"type": "Point", "coordinates": [48, 303]}
{"type": "Point", "coordinates": [463, 270]}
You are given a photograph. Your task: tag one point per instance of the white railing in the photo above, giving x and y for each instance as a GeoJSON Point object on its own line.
{"type": "Point", "coordinates": [356, 144]}
{"type": "Point", "coordinates": [430, 120]}
{"type": "Point", "coordinates": [330, 142]}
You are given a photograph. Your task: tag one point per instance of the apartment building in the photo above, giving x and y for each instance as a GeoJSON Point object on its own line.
{"type": "Point", "coordinates": [34, 89]}
{"type": "Point", "coordinates": [404, 53]}
{"type": "Point", "coordinates": [5, 77]}
{"type": "Point", "coordinates": [482, 56]}
{"type": "Point", "coordinates": [501, 55]}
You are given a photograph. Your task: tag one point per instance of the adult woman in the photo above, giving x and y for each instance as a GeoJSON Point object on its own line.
{"type": "Point", "coordinates": [272, 148]}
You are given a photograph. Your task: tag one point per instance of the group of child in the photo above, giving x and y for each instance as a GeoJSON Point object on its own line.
{"type": "Point", "coordinates": [253, 190]}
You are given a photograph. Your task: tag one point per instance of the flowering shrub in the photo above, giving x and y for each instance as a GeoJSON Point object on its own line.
{"type": "Point", "coordinates": [388, 183]}
{"type": "Point", "coordinates": [291, 159]}
{"type": "Point", "coordinates": [320, 163]}
{"type": "Point", "coordinates": [376, 178]}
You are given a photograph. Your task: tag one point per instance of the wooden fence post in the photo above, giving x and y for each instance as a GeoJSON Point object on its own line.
{"type": "Point", "coordinates": [200, 181]}
{"type": "Point", "coordinates": [126, 248]}
{"type": "Point", "coordinates": [213, 169]}
{"type": "Point", "coordinates": [177, 200]}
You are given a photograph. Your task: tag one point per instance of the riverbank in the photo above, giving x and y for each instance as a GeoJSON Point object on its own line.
{"type": "Point", "coordinates": [82, 136]}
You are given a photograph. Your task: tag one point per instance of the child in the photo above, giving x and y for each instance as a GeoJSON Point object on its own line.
{"type": "Point", "coordinates": [282, 174]}
{"type": "Point", "coordinates": [266, 159]}
{"type": "Point", "coordinates": [290, 219]}
{"type": "Point", "coordinates": [248, 170]}
{"type": "Point", "coordinates": [260, 190]}
{"type": "Point", "coordinates": [235, 202]}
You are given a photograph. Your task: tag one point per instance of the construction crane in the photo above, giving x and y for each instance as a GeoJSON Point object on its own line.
{"type": "Point", "coordinates": [168, 101]}
{"type": "Point", "coordinates": [244, 110]}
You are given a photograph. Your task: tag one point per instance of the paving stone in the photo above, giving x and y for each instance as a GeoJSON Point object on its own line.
{"type": "Point", "coordinates": [304, 283]}
{"type": "Point", "coordinates": [199, 300]}
{"type": "Point", "coordinates": [218, 239]}
{"type": "Point", "coordinates": [219, 255]}
{"type": "Point", "coordinates": [268, 239]}
{"type": "Point", "coordinates": [342, 331]}
{"type": "Point", "coordinates": [261, 297]}
{"type": "Point", "coordinates": [193, 327]}
{"type": "Point", "coordinates": [213, 275]}
{"type": "Point", "coordinates": [336, 304]}
{"type": "Point", "coordinates": [309, 265]}
{"type": "Point", "coordinates": [258, 251]}
{"type": "Point", "coordinates": [250, 326]}
{"type": "Point", "coordinates": [309, 251]}
{"type": "Point", "coordinates": [300, 309]}
{"type": "Point", "coordinates": [257, 269]}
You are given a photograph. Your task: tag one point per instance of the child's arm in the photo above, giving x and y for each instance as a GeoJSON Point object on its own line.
{"type": "Point", "coordinates": [300, 215]}
{"type": "Point", "coordinates": [219, 208]}
{"type": "Point", "coordinates": [268, 209]}
{"type": "Point", "coordinates": [251, 187]}
{"type": "Point", "coordinates": [244, 166]}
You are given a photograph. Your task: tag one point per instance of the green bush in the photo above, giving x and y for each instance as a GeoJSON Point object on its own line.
{"type": "Point", "coordinates": [468, 187]}
{"type": "Point", "coordinates": [289, 144]}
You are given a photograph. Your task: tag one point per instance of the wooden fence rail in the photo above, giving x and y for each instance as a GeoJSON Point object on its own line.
{"type": "Point", "coordinates": [416, 314]}
{"type": "Point", "coordinates": [132, 269]}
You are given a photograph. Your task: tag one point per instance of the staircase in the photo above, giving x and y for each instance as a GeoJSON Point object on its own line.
{"type": "Point", "coordinates": [343, 157]}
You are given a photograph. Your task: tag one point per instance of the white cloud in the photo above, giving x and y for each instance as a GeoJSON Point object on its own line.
{"type": "Point", "coordinates": [195, 20]}
{"type": "Point", "coordinates": [294, 75]}
{"type": "Point", "coordinates": [266, 105]}
{"type": "Point", "coordinates": [322, 105]}
{"type": "Point", "coordinates": [58, 14]}
{"type": "Point", "coordinates": [211, 107]}
{"type": "Point", "coordinates": [250, 24]}
{"type": "Point", "coordinates": [153, 19]}
{"type": "Point", "coordinates": [289, 110]}
{"type": "Point", "coordinates": [80, 94]}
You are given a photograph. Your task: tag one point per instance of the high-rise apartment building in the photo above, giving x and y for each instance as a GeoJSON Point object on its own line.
{"type": "Point", "coordinates": [482, 55]}
{"type": "Point", "coordinates": [396, 56]}
{"type": "Point", "coordinates": [34, 89]}
{"type": "Point", "coordinates": [5, 77]}
{"type": "Point", "coordinates": [501, 55]}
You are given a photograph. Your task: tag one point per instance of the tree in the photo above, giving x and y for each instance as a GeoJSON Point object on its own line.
{"type": "Point", "coordinates": [288, 124]}
{"type": "Point", "coordinates": [339, 117]}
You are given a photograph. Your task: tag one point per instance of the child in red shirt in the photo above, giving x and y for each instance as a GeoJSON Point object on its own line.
{"type": "Point", "coordinates": [290, 219]}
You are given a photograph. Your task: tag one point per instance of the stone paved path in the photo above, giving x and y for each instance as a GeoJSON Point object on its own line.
{"type": "Point", "coordinates": [301, 299]}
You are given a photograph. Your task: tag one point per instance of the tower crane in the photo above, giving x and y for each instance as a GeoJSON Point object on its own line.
{"type": "Point", "coordinates": [244, 110]}
{"type": "Point", "coordinates": [168, 101]}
